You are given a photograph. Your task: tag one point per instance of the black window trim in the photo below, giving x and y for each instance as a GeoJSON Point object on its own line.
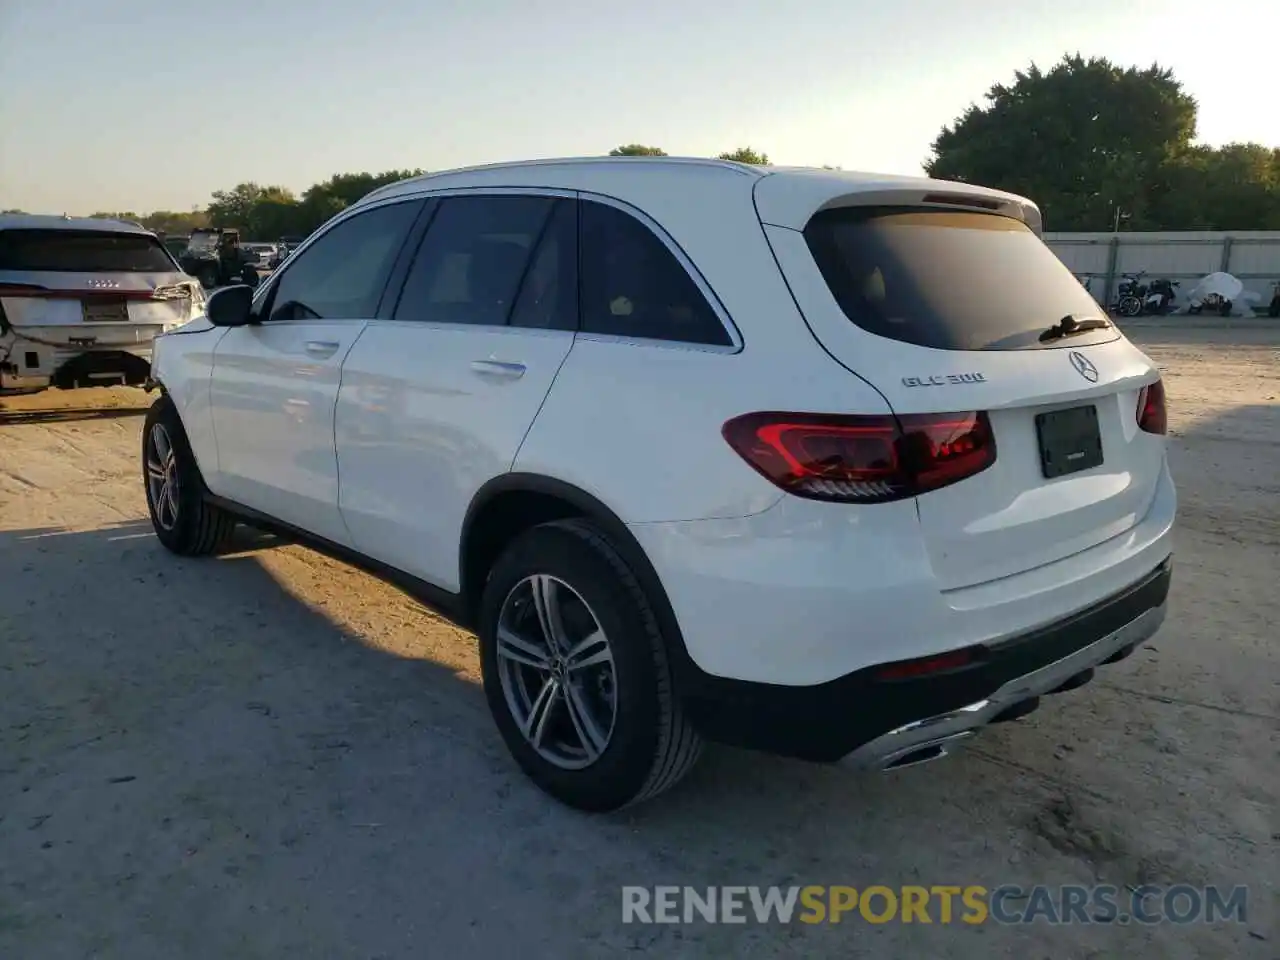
{"type": "Point", "coordinates": [434, 198]}
{"type": "Point", "coordinates": [686, 262]}
{"type": "Point", "coordinates": [264, 296]}
{"type": "Point", "coordinates": [707, 291]}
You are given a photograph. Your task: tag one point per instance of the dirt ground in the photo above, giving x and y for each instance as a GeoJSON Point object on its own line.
{"type": "Point", "coordinates": [272, 755]}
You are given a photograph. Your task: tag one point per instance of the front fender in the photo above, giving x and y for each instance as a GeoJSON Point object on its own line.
{"type": "Point", "coordinates": [181, 368]}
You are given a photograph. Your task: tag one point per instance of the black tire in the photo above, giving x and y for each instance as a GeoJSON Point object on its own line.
{"type": "Point", "coordinates": [1130, 306]}
{"type": "Point", "coordinates": [199, 528]}
{"type": "Point", "coordinates": [208, 278]}
{"type": "Point", "coordinates": [651, 745]}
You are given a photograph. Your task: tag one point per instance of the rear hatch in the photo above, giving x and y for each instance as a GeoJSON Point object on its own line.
{"type": "Point", "coordinates": [945, 308]}
{"type": "Point", "coordinates": [91, 288]}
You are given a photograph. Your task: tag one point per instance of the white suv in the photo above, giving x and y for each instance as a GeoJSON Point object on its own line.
{"type": "Point", "coordinates": [82, 299]}
{"type": "Point", "coordinates": [824, 464]}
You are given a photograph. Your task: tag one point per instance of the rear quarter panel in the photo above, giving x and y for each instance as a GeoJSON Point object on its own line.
{"type": "Point", "coordinates": [637, 423]}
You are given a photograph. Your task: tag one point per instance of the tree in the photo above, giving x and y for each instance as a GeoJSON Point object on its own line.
{"type": "Point", "coordinates": [1081, 140]}
{"type": "Point", "coordinates": [236, 207]}
{"type": "Point", "coordinates": [315, 209]}
{"type": "Point", "coordinates": [746, 155]}
{"type": "Point", "coordinates": [176, 223]}
{"type": "Point", "coordinates": [347, 188]}
{"type": "Point", "coordinates": [637, 150]}
{"type": "Point", "coordinates": [1239, 187]}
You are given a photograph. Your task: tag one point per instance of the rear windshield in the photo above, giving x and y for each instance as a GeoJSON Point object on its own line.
{"type": "Point", "coordinates": [82, 251]}
{"type": "Point", "coordinates": [946, 279]}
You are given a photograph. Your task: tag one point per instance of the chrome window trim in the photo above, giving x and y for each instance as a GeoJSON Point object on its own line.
{"type": "Point", "coordinates": [687, 264]}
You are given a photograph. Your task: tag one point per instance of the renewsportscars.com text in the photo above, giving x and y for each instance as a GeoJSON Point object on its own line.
{"type": "Point", "coordinates": [942, 904]}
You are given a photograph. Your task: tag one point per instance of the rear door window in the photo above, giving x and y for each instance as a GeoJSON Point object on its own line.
{"type": "Point", "coordinates": [473, 260]}
{"type": "Point", "coordinates": [82, 251]}
{"type": "Point", "coordinates": [548, 298]}
{"type": "Point", "coordinates": [946, 279]}
{"type": "Point", "coordinates": [633, 286]}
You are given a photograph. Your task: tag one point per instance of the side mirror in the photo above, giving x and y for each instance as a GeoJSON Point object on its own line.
{"type": "Point", "coordinates": [229, 306]}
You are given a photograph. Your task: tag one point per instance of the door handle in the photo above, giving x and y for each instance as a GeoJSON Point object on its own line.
{"type": "Point", "coordinates": [321, 348]}
{"type": "Point", "coordinates": [498, 368]}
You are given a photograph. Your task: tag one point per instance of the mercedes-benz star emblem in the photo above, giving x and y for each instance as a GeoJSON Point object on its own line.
{"type": "Point", "coordinates": [1084, 366]}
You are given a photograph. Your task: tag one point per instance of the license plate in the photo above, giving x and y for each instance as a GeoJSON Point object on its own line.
{"type": "Point", "coordinates": [1069, 441]}
{"type": "Point", "coordinates": [105, 311]}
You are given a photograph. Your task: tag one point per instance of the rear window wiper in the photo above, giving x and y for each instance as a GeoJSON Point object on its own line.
{"type": "Point", "coordinates": [1069, 326]}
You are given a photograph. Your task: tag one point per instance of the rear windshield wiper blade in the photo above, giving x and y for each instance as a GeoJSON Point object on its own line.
{"type": "Point", "coordinates": [1069, 326]}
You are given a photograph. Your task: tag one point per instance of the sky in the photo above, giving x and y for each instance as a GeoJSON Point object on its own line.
{"type": "Point", "coordinates": [154, 105]}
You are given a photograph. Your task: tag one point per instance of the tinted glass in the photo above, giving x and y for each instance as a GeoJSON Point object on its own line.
{"type": "Point", "coordinates": [473, 259]}
{"type": "Point", "coordinates": [342, 274]}
{"type": "Point", "coordinates": [83, 251]}
{"type": "Point", "coordinates": [945, 279]}
{"type": "Point", "coordinates": [633, 286]}
{"type": "Point", "coordinates": [548, 298]}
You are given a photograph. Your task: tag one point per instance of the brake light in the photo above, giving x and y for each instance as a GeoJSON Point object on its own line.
{"type": "Point", "coordinates": [1153, 415]}
{"type": "Point", "coordinates": [862, 459]}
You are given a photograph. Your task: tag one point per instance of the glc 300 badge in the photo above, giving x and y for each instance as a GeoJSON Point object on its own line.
{"type": "Point", "coordinates": [944, 380]}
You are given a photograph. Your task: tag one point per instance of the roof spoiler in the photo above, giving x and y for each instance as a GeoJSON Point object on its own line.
{"type": "Point", "coordinates": [792, 202]}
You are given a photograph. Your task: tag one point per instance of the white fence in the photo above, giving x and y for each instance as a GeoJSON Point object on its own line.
{"type": "Point", "coordinates": [1102, 259]}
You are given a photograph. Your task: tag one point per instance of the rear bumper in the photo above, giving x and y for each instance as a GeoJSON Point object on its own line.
{"type": "Point", "coordinates": [879, 724]}
{"type": "Point", "coordinates": [27, 365]}
{"type": "Point", "coordinates": [805, 593]}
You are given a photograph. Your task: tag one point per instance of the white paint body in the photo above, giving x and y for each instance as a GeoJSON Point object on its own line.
{"type": "Point", "coordinates": [383, 444]}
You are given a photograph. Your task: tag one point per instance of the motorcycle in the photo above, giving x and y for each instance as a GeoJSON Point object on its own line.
{"type": "Point", "coordinates": [1130, 295]}
{"type": "Point", "coordinates": [1160, 296]}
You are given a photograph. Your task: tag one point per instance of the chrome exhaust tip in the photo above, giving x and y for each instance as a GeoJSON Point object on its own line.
{"type": "Point", "coordinates": [924, 753]}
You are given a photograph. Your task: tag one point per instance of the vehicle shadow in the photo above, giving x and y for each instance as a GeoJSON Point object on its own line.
{"type": "Point", "coordinates": [14, 417]}
{"type": "Point", "coordinates": [68, 406]}
{"type": "Point", "coordinates": [194, 757]}
{"type": "Point", "coordinates": [227, 757]}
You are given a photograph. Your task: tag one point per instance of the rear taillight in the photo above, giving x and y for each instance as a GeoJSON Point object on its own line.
{"type": "Point", "coordinates": [862, 459]}
{"type": "Point", "coordinates": [1153, 416]}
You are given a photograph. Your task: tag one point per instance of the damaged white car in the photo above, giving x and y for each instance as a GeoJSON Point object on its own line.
{"type": "Point", "coordinates": [81, 301]}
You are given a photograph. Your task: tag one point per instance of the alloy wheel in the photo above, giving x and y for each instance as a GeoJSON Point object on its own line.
{"type": "Point", "coordinates": [557, 671]}
{"type": "Point", "coordinates": [162, 477]}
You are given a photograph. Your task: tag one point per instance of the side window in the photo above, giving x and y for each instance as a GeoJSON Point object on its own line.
{"type": "Point", "coordinates": [548, 298]}
{"type": "Point", "coordinates": [471, 263]}
{"type": "Point", "coordinates": [633, 286]}
{"type": "Point", "coordinates": [342, 274]}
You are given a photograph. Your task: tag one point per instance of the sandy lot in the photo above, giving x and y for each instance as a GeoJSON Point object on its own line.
{"type": "Point", "coordinates": [272, 755]}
